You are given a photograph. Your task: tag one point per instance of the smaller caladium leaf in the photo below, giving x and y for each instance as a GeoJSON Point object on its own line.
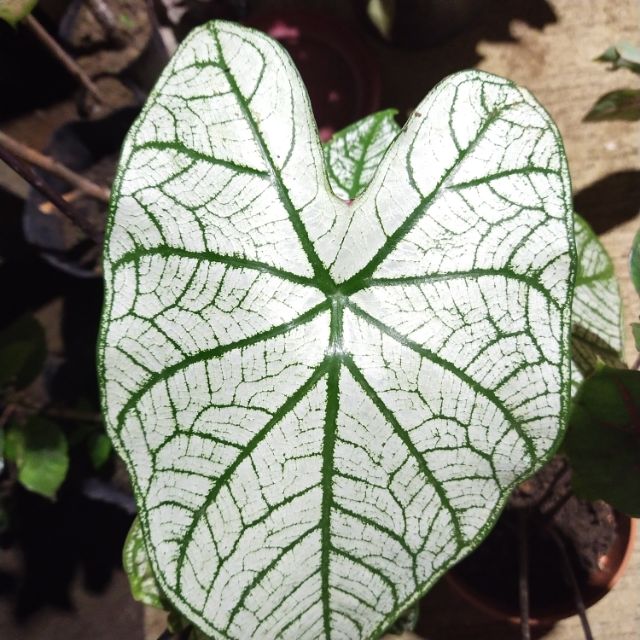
{"type": "Point", "coordinates": [325, 404]}
{"type": "Point", "coordinates": [135, 561]}
{"type": "Point", "coordinates": [13, 11]}
{"type": "Point", "coordinates": [354, 153]}
{"type": "Point", "coordinates": [596, 334]}
{"type": "Point", "coordinates": [603, 439]}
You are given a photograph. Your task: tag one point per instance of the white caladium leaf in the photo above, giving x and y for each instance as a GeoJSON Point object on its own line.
{"type": "Point", "coordinates": [596, 335]}
{"type": "Point", "coordinates": [324, 405]}
{"type": "Point", "coordinates": [353, 154]}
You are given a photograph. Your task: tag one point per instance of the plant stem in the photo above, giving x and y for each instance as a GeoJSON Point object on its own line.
{"type": "Point", "coordinates": [40, 185]}
{"type": "Point", "coordinates": [54, 167]}
{"type": "Point", "coordinates": [566, 561]}
{"type": "Point", "coordinates": [523, 575]}
{"type": "Point", "coordinates": [69, 63]}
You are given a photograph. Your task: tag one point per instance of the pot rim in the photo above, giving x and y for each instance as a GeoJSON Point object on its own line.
{"type": "Point", "coordinates": [621, 554]}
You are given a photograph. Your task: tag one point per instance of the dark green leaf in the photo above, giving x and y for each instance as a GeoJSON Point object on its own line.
{"type": "Point", "coordinates": [622, 104]}
{"type": "Point", "coordinates": [22, 352]}
{"type": "Point", "coordinates": [99, 448]}
{"type": "Point", "coordinates": [40, 451]}
{"type": "Point", "coordinates": [603, 439]}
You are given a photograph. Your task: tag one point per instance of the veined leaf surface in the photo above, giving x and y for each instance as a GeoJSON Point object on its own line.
{"type": "Point", "coordinates": [323, 405]}
{"type": "Point", "coordinates": [352, 156]}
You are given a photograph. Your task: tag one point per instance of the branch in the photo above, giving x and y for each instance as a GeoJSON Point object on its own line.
{"type": "Point", "coordinates": [69, 63]}
{"type": "Point", "coordinates": [25, 171]}
{"type": "Point", "coordinates": [54, 167]}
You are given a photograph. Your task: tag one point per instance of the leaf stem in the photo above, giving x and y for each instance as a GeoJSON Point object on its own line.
{"type": "Point", "coordinates": [67, 61]}
{"type": "Point", "coordinates": [26, 172]}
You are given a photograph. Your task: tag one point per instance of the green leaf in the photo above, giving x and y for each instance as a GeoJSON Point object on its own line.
{"type": "Point", "coordinates": [622, 56]}
{"type": "Point", "coordinates": [622, 104]}
{"type": "Point", "coordinates": [100, 448]}
{"type": "Point", "coordinates": [22, 352]}
{"type": "Point", "coordinates": [135, 561]}
{"type": "Point", "coordinates": [635, 329]}
{"type": "Point", "coordinates": [40, 452]}
{"type": "Point", "coordinates": [596, 335]}
{"type": "Point", "coordinates": [13, 11]}
{"type": "Point", "coordinates": [324, 405]}
{"type": "Point", "coordinates": [634, 262]}
{"type": "Point", "coordinates": [603, 439]}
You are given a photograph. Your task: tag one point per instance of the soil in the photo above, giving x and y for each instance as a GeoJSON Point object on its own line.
{"type": "Point", "coordinates": [587, 530]}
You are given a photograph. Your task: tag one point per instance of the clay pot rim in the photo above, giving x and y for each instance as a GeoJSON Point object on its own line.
{"type": "Point", "coordinates": [492, 607]}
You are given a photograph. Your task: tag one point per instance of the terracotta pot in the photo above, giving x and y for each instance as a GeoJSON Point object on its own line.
{"type": "Point", "coordinates": [339, 71]}
{"type": "Point", "coordinates": [597, 585]}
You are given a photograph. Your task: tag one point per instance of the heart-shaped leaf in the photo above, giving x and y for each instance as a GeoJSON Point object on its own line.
{"type": "Point", "coordinates": [324, 405]}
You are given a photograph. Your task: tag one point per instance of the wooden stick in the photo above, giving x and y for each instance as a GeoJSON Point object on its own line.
{"type": "Point", "coordinates": [53, 166]}
{"type": "Point", "coordinates": [523, 575]}
{"type": "Point", "coordinates": [25, 171]}
{"type": "Point", "coordinates": [71, 196]}
{"type": "Point", "coordinates": [69, 63]}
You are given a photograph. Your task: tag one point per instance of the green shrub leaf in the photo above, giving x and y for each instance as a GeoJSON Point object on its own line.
{"type": "Point", "coordinates": [621, 104]}
{"type": "Point", "coordinates": [603, 439]}
{"type": "Point", "coordinates": [40, 451]}
{"type": "Point", "coordinates": [323, 405]}
{"type": "Point", "coordinates": [13, 11]}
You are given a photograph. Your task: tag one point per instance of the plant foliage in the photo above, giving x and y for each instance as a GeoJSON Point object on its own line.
{"type": "Point", "coordinates": [324, 405]}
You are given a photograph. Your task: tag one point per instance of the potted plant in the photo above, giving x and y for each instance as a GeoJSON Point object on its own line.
{"type": "Point", "coordinates": [325, 395]}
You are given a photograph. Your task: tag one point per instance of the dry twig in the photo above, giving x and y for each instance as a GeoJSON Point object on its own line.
{"type": "Point", "coordinates": [69, 63]}
{"type": "Point", "coordinates": [54, 167]}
